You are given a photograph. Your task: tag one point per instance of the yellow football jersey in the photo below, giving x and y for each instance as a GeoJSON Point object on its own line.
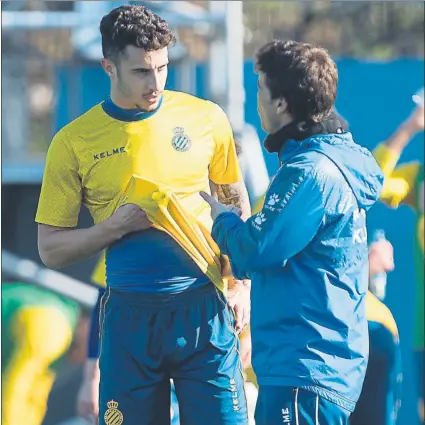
{"type": "Point", "coordinates": [184, 144]}
{"type": "Point", "coordinates": [96, 160]}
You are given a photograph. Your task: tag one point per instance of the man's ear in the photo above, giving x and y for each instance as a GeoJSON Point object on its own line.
{"type": "Point", "coordinates": [281, 106]}
{"type": "Point", "coordinates": [108, 67]}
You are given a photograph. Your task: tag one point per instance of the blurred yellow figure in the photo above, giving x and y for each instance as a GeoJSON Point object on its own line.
{"type": "Point", "coordinates": [404, 184]}
{"type": "Point", "coordinates": [37, 331]}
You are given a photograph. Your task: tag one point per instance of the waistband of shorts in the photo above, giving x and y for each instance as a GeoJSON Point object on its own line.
{"type": "Point", "coordinates": [160, 299]}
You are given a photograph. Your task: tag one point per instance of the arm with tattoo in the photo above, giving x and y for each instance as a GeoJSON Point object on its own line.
{"type": "Point", "coordinates": [234, 194]}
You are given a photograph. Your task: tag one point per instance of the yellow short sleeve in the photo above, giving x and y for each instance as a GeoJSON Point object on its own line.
{"type": "Point", "coordinates": [224, 167]}
{"type": "Point", "coordinates": [61, 191]}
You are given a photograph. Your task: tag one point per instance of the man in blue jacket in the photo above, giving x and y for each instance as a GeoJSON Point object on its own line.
{"type": "Point", "coordinates": [306, 250]}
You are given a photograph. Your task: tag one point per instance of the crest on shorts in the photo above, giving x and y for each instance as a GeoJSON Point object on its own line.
{"type": "Point", "coordinates": [113, 416]}
{"type": "Point", "coordinates": [180, 140]}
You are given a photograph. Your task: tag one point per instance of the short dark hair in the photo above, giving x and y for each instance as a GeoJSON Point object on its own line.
{"type": "Point", "coordinates": [303, 74]}
{"type": "Point", "coordinates": [133, 25]}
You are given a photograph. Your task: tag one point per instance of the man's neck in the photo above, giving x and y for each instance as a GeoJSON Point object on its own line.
{"type": "Point", "coordinates": [283, 123]}
{"type": "Point", "coordinates": [121, 102]}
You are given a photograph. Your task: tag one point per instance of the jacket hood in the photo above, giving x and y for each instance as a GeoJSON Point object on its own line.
{"type": "Point", "coordinates": [356, 163]}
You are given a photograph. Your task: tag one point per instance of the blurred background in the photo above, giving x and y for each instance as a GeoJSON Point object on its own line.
{"type": "Point", "coordinates": [51, 74]}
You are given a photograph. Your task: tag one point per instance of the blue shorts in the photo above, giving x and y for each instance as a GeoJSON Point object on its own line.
{"type": "Point", "coordinates": [380, 399]}
{"type": "Point", "coordinates": [189, 337]}
{"type": "Point", "coordinates": [295, 406]}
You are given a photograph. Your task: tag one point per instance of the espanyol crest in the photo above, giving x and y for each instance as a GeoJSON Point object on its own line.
{"type": "Point", "coordinates": [180, 141]}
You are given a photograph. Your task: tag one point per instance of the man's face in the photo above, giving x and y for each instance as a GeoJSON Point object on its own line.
{"type": "Point", "coordinates": [140, 77]}
{"type": "Point", "coordinates": [266, 106]}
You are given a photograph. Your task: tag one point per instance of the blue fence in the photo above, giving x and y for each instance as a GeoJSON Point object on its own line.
{"type": "Point", "coordinates": [374, 97]}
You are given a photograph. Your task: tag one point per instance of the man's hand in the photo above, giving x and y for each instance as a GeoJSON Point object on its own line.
{"type": "Point", "coordinates": [246, 348]}
{"type": "Point", "coordinates": [381, 257]}
{"type": "Point", "coordinates": [88, 394]}
{"type": "Point", "coordinates": [217, 208]}
{"type": "Point", "coordinates": [240, 301]}
{"type": "Point", "coordinates": [88, 399]}
{"type": "Point", "coordinates": [130, 218]}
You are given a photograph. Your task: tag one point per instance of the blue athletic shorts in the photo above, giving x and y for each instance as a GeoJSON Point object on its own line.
{"type": "Point", "coordinates": [146, 340]}
{"type": "Point", "coordinates": [295, 406]}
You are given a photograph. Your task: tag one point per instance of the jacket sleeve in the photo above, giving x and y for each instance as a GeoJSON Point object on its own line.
{"type": "Point", "coordinates": [292, 213]}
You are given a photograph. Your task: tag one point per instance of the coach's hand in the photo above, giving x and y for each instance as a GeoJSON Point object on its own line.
{"type": "Point", "coordinates": [130, 218]}
{"type": "Point", "coordinates": [240, 301]}
{"type": "Point", "coordinates": [217, 207]}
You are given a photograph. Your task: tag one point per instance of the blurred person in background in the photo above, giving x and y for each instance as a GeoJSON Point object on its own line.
{"type": "Point", "coordinates": [404, 184]}
{"type": "Point", "coordinates": [88, 394]}
{"type": "Point", "coordinates": [380, 399]}
{"type": "Point", "coordinates": [40, 332]}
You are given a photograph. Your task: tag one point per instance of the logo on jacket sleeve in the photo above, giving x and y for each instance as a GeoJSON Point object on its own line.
{"type": "Point", "coordinates": [258, 221]}
{"type": "Point", "coordinates": [180, 141]}
{"type": "Point", "coordinates": [274, 199]}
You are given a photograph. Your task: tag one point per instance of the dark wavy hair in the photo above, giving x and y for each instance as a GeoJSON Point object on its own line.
{"type": "Point", "coordinates": [133, 25]}
{"type": "Point", "coordinates": [304, 75]}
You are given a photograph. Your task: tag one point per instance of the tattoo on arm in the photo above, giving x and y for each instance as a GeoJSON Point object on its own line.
{"type": "Point", "coordinates": [235, 194]}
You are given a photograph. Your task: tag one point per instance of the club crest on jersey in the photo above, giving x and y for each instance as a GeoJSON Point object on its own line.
{"type": "Point", "coordinates": [180, 141]}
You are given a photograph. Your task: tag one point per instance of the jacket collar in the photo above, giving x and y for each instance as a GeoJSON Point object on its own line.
{"type": "Point", "coordinates": [301, 130]}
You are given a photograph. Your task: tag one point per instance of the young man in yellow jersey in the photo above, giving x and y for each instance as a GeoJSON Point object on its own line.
{"type": "Point", "coordinates": [161, 317]}
{"type": "Point", "coordinates": [404, 184]}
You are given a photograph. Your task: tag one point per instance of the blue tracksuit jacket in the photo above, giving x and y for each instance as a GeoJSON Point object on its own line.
{"type": "Point", "coordinates": [306, 253]}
